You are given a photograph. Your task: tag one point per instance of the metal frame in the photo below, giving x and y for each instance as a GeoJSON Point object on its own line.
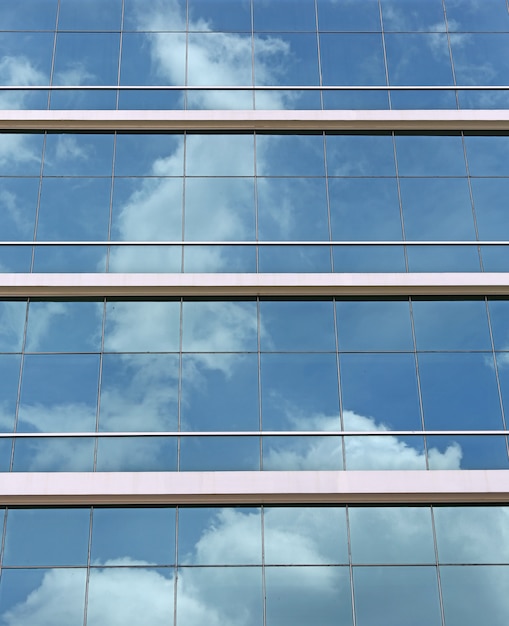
{"type": "Point", "coordinates": [286, 487]}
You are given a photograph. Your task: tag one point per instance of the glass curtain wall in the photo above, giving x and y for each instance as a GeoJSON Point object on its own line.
{"type": "Point", "coordinates": [239, 384]}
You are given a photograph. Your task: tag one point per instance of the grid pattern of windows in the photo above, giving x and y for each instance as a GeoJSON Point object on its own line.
{"type": "Point", "coordinates": [272, 203]}
{"type": "Point", "coordinates": [310, 43]}
{"type": "Point", "coordinates": [200, 452]}
{"type": "Point", "coordinates": [272, 565]}
{"type": "Point", "coordinates": [254, 384]}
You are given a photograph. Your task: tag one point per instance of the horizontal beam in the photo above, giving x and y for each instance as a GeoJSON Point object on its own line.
{"type": "Point", "coordinates": [251, 120]}
{"type": "Point", "coordinates": [305, 487]}
{"type": "Point", "coordinates": [251, 285]}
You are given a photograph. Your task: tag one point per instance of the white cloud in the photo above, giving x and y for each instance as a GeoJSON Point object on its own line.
{"type": "Point", "coordinates": [18, 70]}
{"type": "Point", "coordinates": [12, 324]}
{"type": "Point", "coordinates": [67, 149]}
{"type": "Point", "coordinates": [74, 74]}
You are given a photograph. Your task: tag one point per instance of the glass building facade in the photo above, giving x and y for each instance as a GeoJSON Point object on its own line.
{"type": "Point", "coordinates": [254, 315]}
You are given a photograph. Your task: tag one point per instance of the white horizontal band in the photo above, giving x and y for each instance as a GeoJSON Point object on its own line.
{"type": "Point", "coordinates": [251, 120]}
{"type": "Point", "coordinates": [304, 487]}
{"type": "Point", "coordinates": [446, 284]}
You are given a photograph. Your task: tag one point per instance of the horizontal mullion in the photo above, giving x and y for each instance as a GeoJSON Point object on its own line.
{"type": "Point", "coordinates": [252, 120]}
{"type": "Point", "coordinates": [254, 87]}
{"type": "Point", "coordinates": [254, 433]}
{"type": "Point", "coordinates": [70, 285]}
{"type": "Point", "coordinates": [261, 243]}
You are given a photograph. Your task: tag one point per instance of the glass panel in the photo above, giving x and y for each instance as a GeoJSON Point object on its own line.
{"type": "Point", "coordinates": [477, 61]}
{"type": "Point", "coordinates": [381, 389]}
{"type": "Point", "coordinates": [360, 155]}
{"type": "Point", "coordinates": [64, 326]}
{"type": "Point", "coordinates": [477, 593]}
{"type": "Point", "coordinates": [305, 535]}
{"type": "Point", "coordinates": [34, 596]}
{"type": "Point", "coordinates": [219, 454]}
{"type": "Point", "coordinates": [219, 209]}
{"type": "Point", "coordinates": [430, 155]}
{"type": "Point", "coordinates": [227, 595]}
{"type": "Point", "coordinates": [291, 259]}
{"type": "Point", "coordinates": [396, 596]}
{"type": "Point", "coordinates": [85, 59]}
{"type": "Point", "coordinates": [52, 454]}
{"type": "Point", "coordinates": [142, 326]}
{"type": "Point", "coordinates": [139, 392]}
{"type": "Point", "coordinates": [34, 15]}
{"type": "Point", "coordinates": [121, 594]}
{"type": "Point", "coordinates": [364, 208]}
{"type": "Point", "coordinates": [18, 203]}
{"type": "Point", "coordinates": [467, 452]}
{"type": "Point", "coordinates": [219, 536]}
{"type": "Point", "coordinates": [220, 15]}
{"type": "Point", "coordinates": [374, 325]}
{"type": "Point", "coordinates": [216, 326]}
{"type": "Point", "coordinates": [469, 15]}
{"type": "Point", "coordinates": [236, 155]}
{"type": "Point", "coordinates": [382, 452]}
{"type": "Point", "coordinates": [351, 60]}
{"type": "Point", "coordinates": [292, 209]}
{"type": "Point", "coordinates": [299, 392]}
{"type": "Point", "coordinates": [365, 258]}
{"type": "Point", "coordinates": [302, 453]}
{"type": "Point", "coordinates": [488, 155]}
{"type": "Point", "coordinates": [12, 324]}
{"type": "Point", "coordinates": [20, 154]}
{"type": "Point", "coordinates": [459, 391]}
{"type": "Point", "coordinates": [343, 15]}
{"type": "Point", "coordinates": [78, 155]}
{"type": "Point", "coordinates": [96, 15]}
{"type": "Point", "coordinates": [294, 325]}
{"type": "Point", "coordinates": [407, 535]}
{"type": "Point", "coordinates": [490, 195]}
{"type": "Point", "coordinates": [438, 208]}
{"type": "Point", "coordinates": [416, 15]}
{"type": "Point", "coordinates": [420, 59]}
{"type": "Point", "coordinates": [301, 595]}
{"type": "Point", "coordinates": [472, 534]}
{"type": "Point", "coordinates": [133, 534]}
{"type": "Point", "coordinates": [284, 15]}
{"type": "Point", "coordinates": [289, 155]}
{"type": "Point", "coordinates": [46, 537]}
{"type": "Point", "coordinates": [217, 399]}
{"type": "Point", "coordinates": [9, 375]}
{"type": "Point", "coordinates": [451, 325]}
{"type": "Point", "coordinates": [74, 209]}
{"type": "Point", "coordinates": [59, 393]}
{"type": "Point", "coordinates": [149, 155]}
{"type": "Point", "coordinates": [137, 454]}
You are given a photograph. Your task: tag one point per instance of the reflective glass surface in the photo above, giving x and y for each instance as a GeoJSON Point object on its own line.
{"type": "Point", "coordinates": [218, 561]}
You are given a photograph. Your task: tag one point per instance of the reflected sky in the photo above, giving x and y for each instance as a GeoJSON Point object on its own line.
{"type": "Point", "coordinates": [254, 42]}
{"type": "Point", "coordinates": [225, 564]}
{"type": "Point", "coordinates": [251, 366]}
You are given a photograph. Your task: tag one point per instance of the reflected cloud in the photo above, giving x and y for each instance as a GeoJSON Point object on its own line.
{"type": "Point", "coordinates": [124, 587]}
{"type": "Point", "coordinates": [17, 70]}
